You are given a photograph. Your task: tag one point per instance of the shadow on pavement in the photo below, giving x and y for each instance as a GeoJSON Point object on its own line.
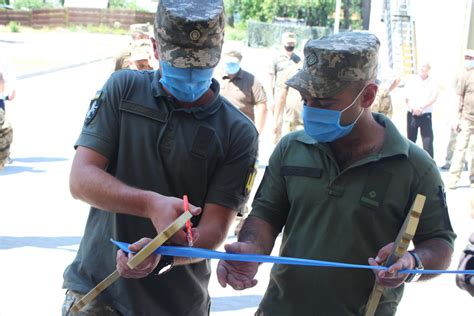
{"type": "Point", "coordinates": [232, 303]}
{"type": "Point", "coordinates": [38, 159]}
{"type": "Point", "coordinates": [12, 168]}
{"type": "Point", "coordinates": [7, 242]}
{"type": "Point", "coordinates": [18, 169]}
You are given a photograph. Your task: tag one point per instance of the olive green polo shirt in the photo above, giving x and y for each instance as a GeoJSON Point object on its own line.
{"type": "Point", "coordinates": [244, 91]}
{"type": "Point", "coordinates": [343, 216]}
{"type": "Point", "coordinates": [205, 152]}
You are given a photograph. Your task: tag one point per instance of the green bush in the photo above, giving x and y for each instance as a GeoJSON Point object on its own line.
{"type": "Point", "coordinates": [124, 4]}
{"type": "Point", "coordinates": [105, 29]}
{"type": "Point", "coordinates": [236, 33]}
{"type": "Point", "coordinates": [261, 34]}
{"type": "Point", "coordinates": [14, 26]}
{"type": "Point", "coordinates": [30, 4]}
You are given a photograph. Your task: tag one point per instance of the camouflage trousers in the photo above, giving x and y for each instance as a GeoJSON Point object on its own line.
{"type": "Point", "coordinates": [6, 138]}
{"type": "Point", "coordinates": [383, 103]}
{"type": "Point", "coordinates": [462, 150]}
{"type": "Point", "coordinates": [94, 308]}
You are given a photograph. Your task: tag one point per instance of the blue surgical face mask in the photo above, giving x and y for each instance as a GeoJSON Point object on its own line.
{"type": "Point", "coordinates": [185, 84]}
{"type": "Point", "coordinates": [232, 68]}
{"type": "Point", "coordinates": [325, 125]}
{"type": "Point", "coordinates": [468, 64]}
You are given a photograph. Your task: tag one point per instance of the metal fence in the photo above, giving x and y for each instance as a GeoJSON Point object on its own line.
{"type": "Point", "coordinates": [75, 16]}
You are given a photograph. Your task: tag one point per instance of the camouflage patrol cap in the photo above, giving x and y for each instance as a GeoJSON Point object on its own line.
{"type": "Point", "coordinates": [141, 49]}
{"type": "Point", "coordinates": [288, 38]}
{"type": "Point", "coordinates": [332, 62]}
{"type": "Point", "coordinates": [233, 54]}
{"type": "Point", "coordinates": [190, 33]}
{"type": "Point", "coordinates": [142, 28]}
{"type": "Point", "coordinates": [469, 53]}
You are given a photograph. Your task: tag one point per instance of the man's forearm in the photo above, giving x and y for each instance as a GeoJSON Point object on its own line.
{"type": "Point", "coordinates": [261, 116]}
{"type": "Point", "coordinates": [260, 233]}
{"type": "Point", "coordinates": [430, 103]}
{"type": "Point", "coordinates": [460, 104]}
{"type": "Point", "coordinates": [96, 187]}
{"type": "Point", "coordinates": [435, 254]}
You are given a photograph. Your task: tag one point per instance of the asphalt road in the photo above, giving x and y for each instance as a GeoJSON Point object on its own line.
{"type": "Point", "coordinates": [41, 225]}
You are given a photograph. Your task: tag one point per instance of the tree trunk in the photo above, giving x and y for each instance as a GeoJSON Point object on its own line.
{"type": "Point", "coordinates": [347, 14]}
{"type": "Point", "coordinates": [365, 13]}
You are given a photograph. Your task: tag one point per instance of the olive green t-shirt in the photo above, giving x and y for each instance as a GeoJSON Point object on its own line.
{"type": "Point", "coordinates": [205, 152]}
{"type": "Point", "coordinates": [343, 216]}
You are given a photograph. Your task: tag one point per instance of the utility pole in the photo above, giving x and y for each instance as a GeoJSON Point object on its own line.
{"type": "Point", "coordinates": [337, 16]}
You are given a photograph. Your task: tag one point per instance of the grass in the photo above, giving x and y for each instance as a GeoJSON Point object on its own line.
{"type": "Point", "coordinates": [15, 27]}
{"type": "Point", "coordinates": [104, 29]}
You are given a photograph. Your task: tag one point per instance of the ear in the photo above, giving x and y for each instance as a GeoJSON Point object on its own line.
{"type": "Point", "coordinates": [155, 48]}
{"type": "Point", "coordinates": [369, 95]}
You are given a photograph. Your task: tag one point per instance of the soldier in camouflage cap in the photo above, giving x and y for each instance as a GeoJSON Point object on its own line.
{"type": "Point", "coordinates": [333, 62]}
{"type": "Point", "coordinates": [190, 34]}
{"type": "Point", "coordinates": [140, 31]}
{"type": "Point", "coordinates": [141, 55]}
{"type": "Point", "coordinates": [351, 170]}
{"type": "Point", "coordinates": [155, 136]}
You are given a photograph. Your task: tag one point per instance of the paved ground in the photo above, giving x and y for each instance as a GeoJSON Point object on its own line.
{"type": "Point", "coordinates": [41, 225]}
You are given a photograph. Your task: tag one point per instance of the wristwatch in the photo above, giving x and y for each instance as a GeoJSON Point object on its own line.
{"type": "Point", "coordinates": [413, 277]}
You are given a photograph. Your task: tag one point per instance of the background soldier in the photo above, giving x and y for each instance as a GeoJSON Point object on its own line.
{"type": "Point", "coordinates": [137, 32]}
{"type": "Point", "coordinates": [288, 106]}
{"type": "Point", "coordinates": [7, 93]}
{"type": "Point", "coordinates": [285, 58]}
{"type": "Point", "coordinates": [388, 80]}
{"type": "Point", "coordinates": [141, 55]}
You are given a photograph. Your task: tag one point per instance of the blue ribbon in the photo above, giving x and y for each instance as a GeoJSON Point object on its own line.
{"type": "Point", "coordinates": [189, 252]}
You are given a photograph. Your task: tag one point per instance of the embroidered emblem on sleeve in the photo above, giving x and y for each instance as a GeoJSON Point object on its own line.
{"type": "Point", "coordinates": [252, 173]}
{"type": "Point", "coordinates": [93, 108]}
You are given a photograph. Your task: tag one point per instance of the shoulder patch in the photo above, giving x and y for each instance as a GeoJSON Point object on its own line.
{"type": "Point", "coordinates": [250, 178]}
{"type": "Point", "coordinates": [444, 206]}
{"type": "Point", "coordinates": [93, 108]}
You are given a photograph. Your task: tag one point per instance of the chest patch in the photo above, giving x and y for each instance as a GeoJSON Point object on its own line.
{"type": "Point", "coordinates": [301, 171]}
{"type": "Point", "coordinates": [375, 188]}
{"type": "Point", "coordinates": [93, 108]}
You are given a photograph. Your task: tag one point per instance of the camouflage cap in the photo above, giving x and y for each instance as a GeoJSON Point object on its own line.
{"type": "Point", "coordinates": [332, 62]}
{"type": "Point", "coordinates": [288, 38]}
{"type": "Point", "coordinates": [469, 53]}
{"type": "Point", "coordinates": [141, 49]}
{"type": "Point", "coordinates": [232, 54]}
{"type": "Point", "coordinates": [142, 28]}
{"type": "Point", "coordinates": [190, 33]}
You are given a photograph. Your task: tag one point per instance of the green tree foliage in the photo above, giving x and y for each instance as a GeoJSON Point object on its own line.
{"type": "Point", "coordinates": [312, 12]}
{"type": "Point", "coordinates": [123, 4]}
{"type": "Point", "coordinates": [30, 4]}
